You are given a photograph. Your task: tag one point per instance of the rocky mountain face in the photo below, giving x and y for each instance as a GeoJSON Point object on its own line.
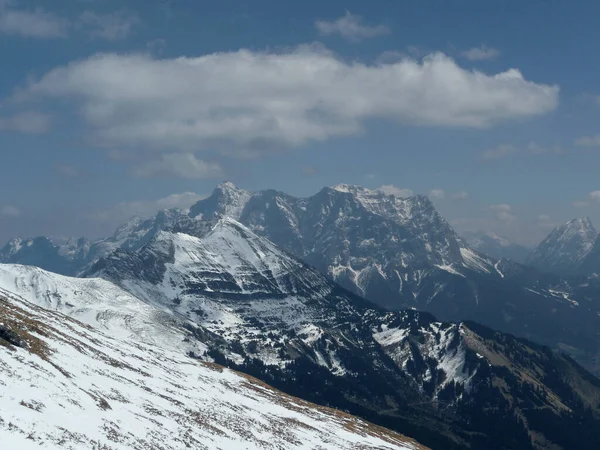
{"type": "Point", "coordinates": [565, 248]}
{"type": "Point", "coordinates": [66, 384]}
{"type": "Point", "coordinates": [400, 253]}
{"type": "Point", "coordinates": [449, 385]}
{"type": "Point", "coordinates": [496, 246]}
{"type": "Point", "coordinates": [397, 252]}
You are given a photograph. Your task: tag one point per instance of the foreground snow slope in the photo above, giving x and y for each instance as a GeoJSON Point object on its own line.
{"type": "Point", "coordinates": [98, 303]}
{"type": "Point", "coordinates": [64, 384]}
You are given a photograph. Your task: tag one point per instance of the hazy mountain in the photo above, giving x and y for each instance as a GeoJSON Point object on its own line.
{"type": "Point", "coordinates": [496, 246]}
{"type": "Point", "coordinates": [565, 248]}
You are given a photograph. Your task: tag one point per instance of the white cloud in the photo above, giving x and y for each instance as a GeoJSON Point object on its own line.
{"type": "Point", "coordinates": [503, 212]}
{"type": "Point", "coordinates": [592, 197]}
{"type": "Point", "coordinates": [184, 165]}
{"type": "Point", "coordinates": [35, 23]}
{"type": "Point", "coordinates": [370, 176]}
{"type": "Point", "coordinates": [262, 101]}
{"type": "Point", "coordinates": [10, 212]}
{"type": "Point", "coordinates": [481, 53]}
{"type": "Point", "coordinates": [29, 122]}
{"type": "Point", "coordinates": [588, 141]}
{"type": "Point", "coordinates": [112, 27]}
{"type": "Point", "coordinates": [350, 27]}
{"type": "Point", "coordinates": [146, 208]}
{"type": "Point", "coordinates": [390, 189]}
{"type": "Point", "coordinates": [460, 195]}
{"type": "Point", "coordinates": [501, 151]}
{"type": "Point", "coordinates": [438, 194]}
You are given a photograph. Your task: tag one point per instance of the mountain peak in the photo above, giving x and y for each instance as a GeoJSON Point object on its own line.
{"type": "Point", "coordinates": [226, 200]}
{"type": "Point", "coordinates": [582, 223]}
{"type": "Point", "coordinates": [565, 247]}
{"type": "Point", "coordinates": [229, 224]}
{"type": "Point", "coordinates": [579, 228]}
{"type": "Point", "coordinates": [227, 186]}
{"type": "Point", "coordinates": [351, 188]}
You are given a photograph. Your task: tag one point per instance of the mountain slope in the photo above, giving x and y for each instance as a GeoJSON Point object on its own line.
{"type": "Point", "coordinates": [66, 385]}
{"type": "Point", "coordinates": [273, 317]}
{"type": "Point", "coordinates": [100, 304]}
{"type": "Point", "coordinates": [590, 265]}
{"type": "Point", "coordinates": [496, 246]}
{"type": "Point", "coordinates": [400, 253]}
{"type": "Point", "coordinates": [565, 247]}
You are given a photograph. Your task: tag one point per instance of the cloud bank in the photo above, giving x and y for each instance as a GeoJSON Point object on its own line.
{"type": "Point", "coordinates": [259, 101]}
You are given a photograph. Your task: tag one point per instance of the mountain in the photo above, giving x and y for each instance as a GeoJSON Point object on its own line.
{"type": "Point", "coordinates": [591, 263]}
{"type": "Point", "coordinates": [401, 253]}
{"type": "Point", "coordinates": [449, 385]}
{"type": "Point", "coordinates": [68, 385]}
{"type": "Point", "coordinates": [44, 252]}
{"type": "Point", "coordinates": [496, 246]}
{"type": "Point", "coordinates": [397, 252]}
{"type": "Point", "coordinates": [565, 248]}
{"type": "Point", "coordinates": [76, 255]}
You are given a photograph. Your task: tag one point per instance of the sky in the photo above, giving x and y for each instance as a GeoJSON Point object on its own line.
{"type": "Point", "coordinates": [110, 109]}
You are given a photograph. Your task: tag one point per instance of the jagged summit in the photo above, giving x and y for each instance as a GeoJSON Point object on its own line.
{"type": "Point", "coordinates": [564, 249]}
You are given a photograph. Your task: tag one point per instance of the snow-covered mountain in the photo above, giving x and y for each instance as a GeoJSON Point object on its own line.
{"type": "Point", "coordinates": [65, 258]}
{"type": "Point", "coordinates": [496, 246]}
{"type": "Point", "coordinates": [68, 385]}
{"type": "Point", "coordinates": [396, 252]}
{"type": "Point", "coordinates": [591, 263]}
{"type": "Point", "coordinates": [268, 314]}
{"type": "Point", "coordinates": [565, 248]}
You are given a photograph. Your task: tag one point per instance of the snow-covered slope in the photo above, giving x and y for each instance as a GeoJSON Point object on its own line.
{"type": "Point", "coordinates": [98, 303]}
{"type": "Point", "coordinates": [276, 318]}
{"type": "Point", "coordinates": [66, 385]}
{"type": "Point", "coordinates": [565, 248]}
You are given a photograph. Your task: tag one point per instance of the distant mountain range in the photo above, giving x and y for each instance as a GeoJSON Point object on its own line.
{"type": "Point", "coordinates": [397, 252]}
{"type": "Point", "coordinates": [274, 286]}
{"type": "Point", "coordinates": [234, 297]}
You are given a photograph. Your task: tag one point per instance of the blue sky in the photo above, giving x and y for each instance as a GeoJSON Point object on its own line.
{"type": "Point", "coordinates": [113, 108]}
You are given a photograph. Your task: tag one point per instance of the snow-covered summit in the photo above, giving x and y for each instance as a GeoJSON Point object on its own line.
{"type": "Point", "coordinates": [565, 247]}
